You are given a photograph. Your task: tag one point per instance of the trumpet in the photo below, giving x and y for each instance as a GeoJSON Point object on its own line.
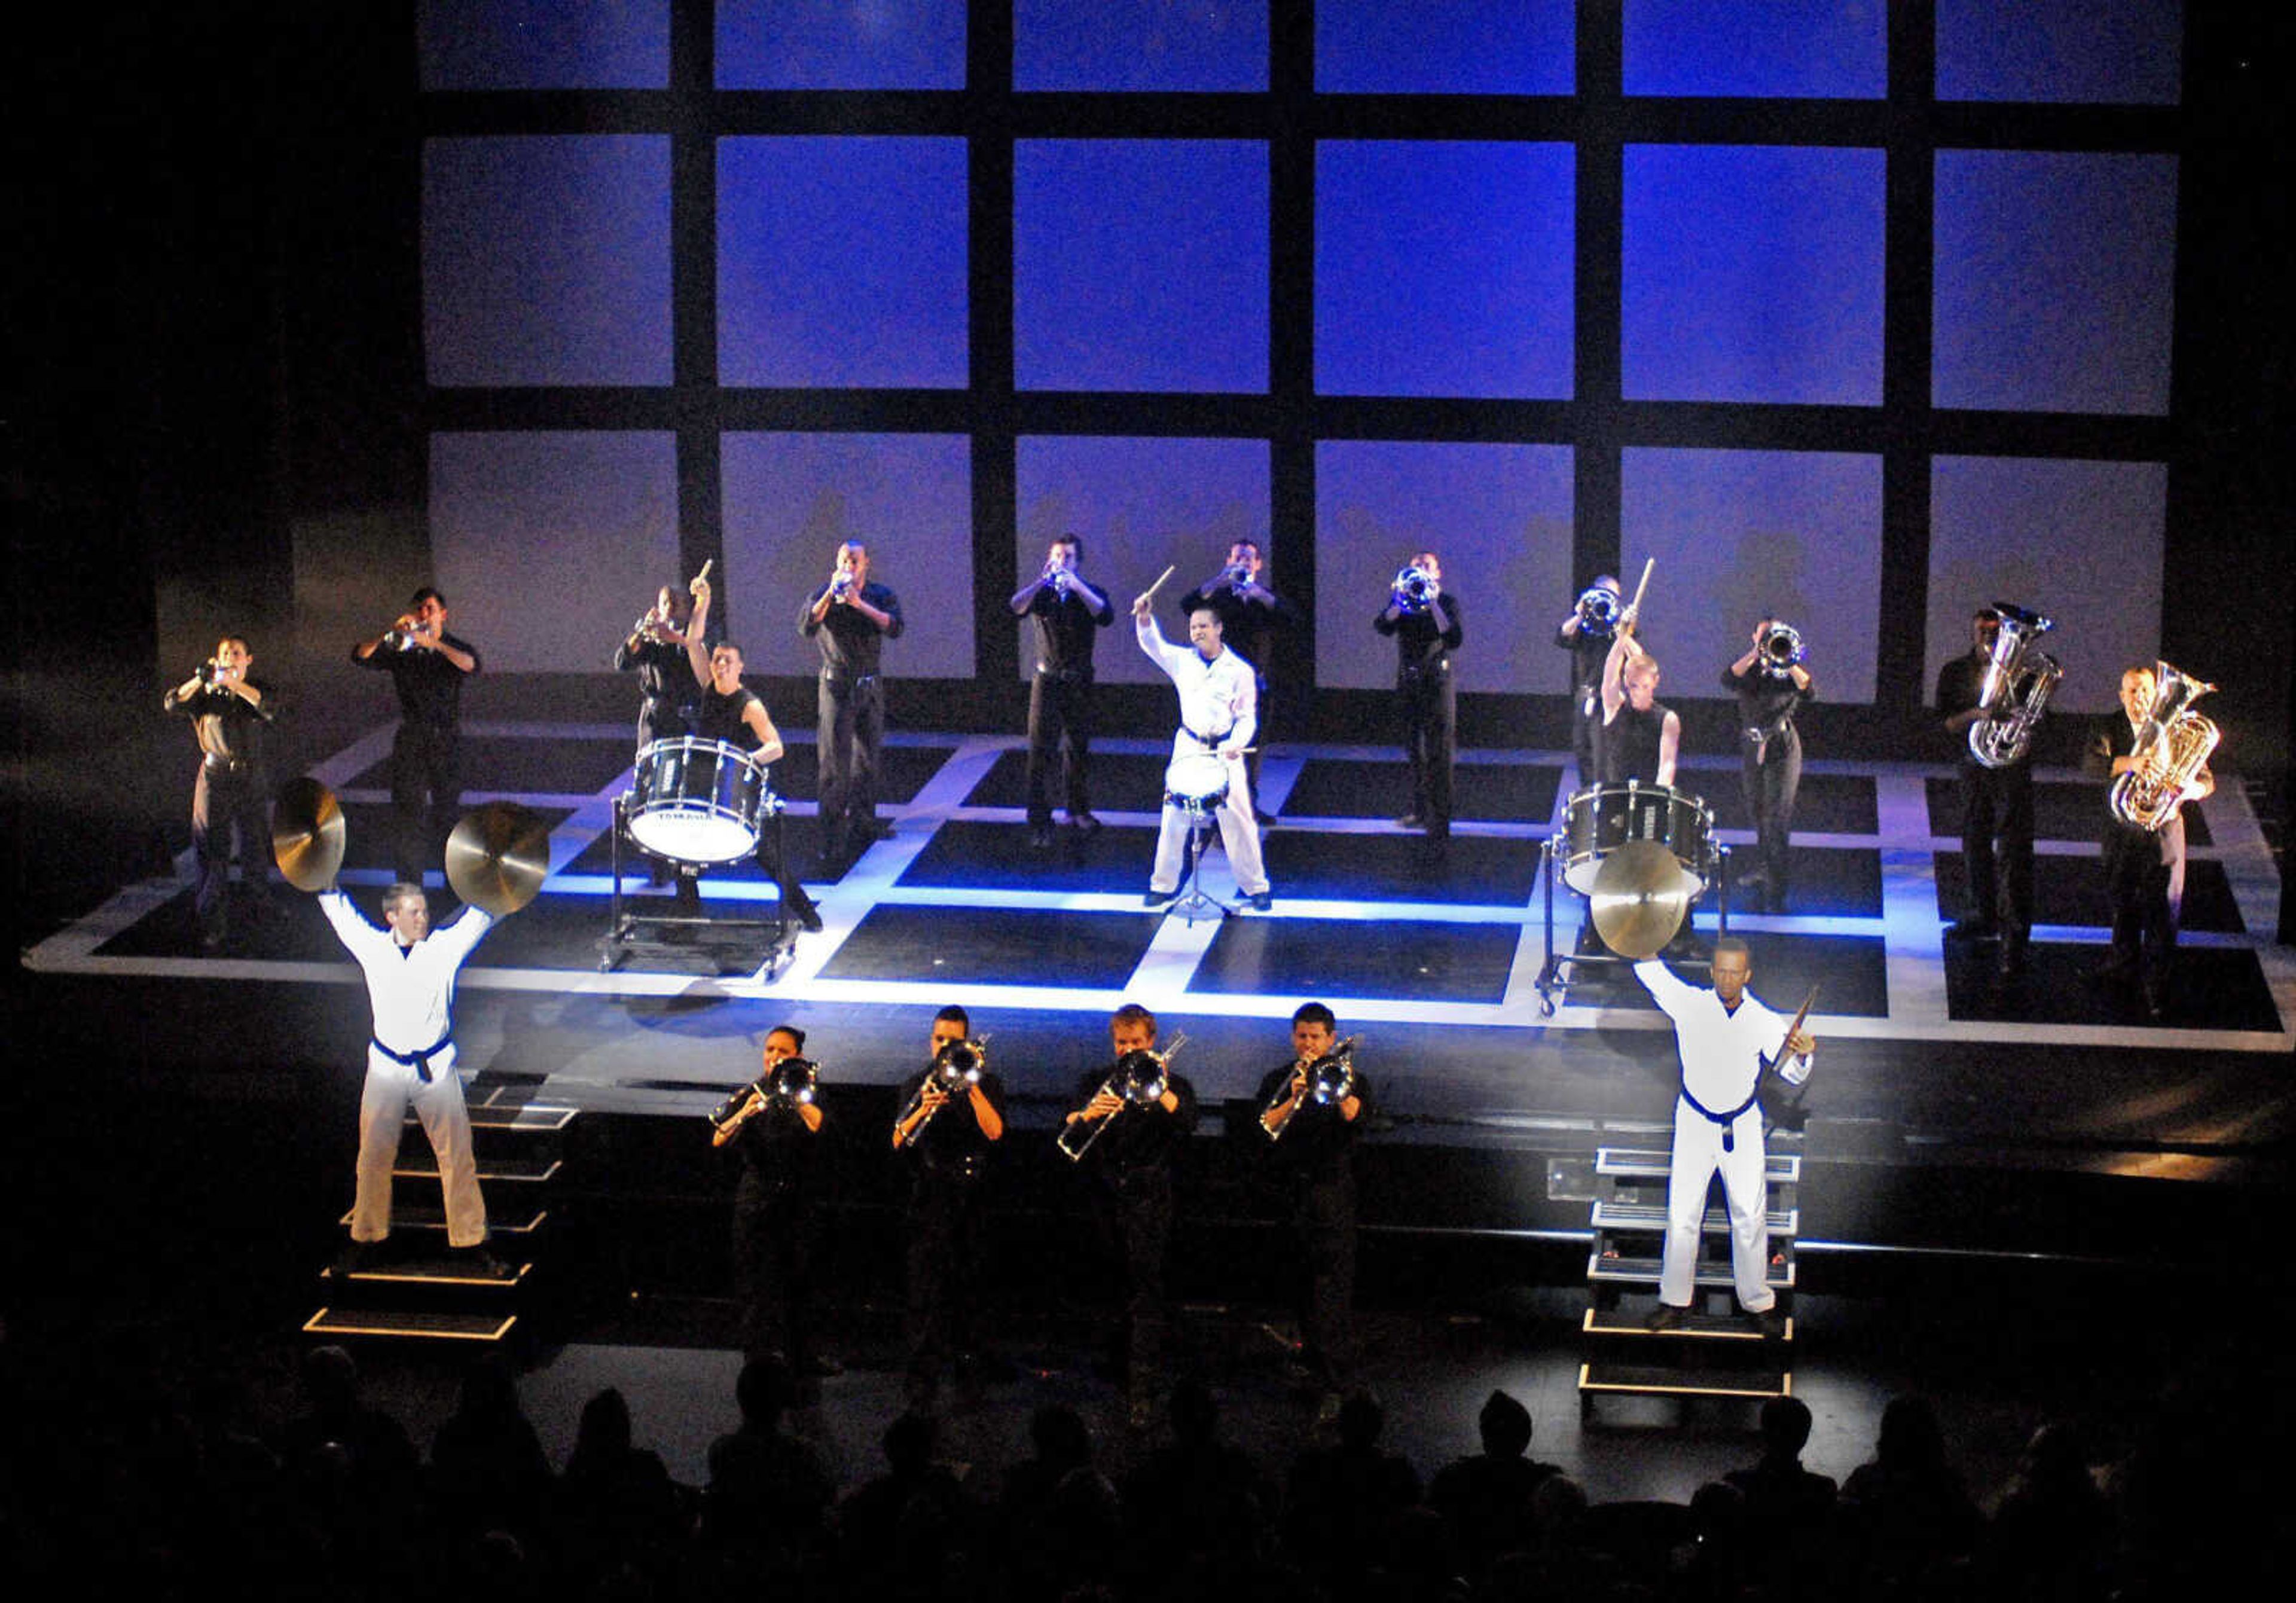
{"type": "Point", "coordinates": [1058, 578]}
{"type": "Point", "coordinates": [955, 1067]}
{"type": "Point", "coordinates": [2015, 688]}
{"type": "Point", "coordinates": [841, 585]}
{"type": "Point", "coordinates": [792, 1082]}
{"type": "Point", "coordinates": [1599, 607]}
{"type": "Point", "coordinates": [1415, 589]}
{"type": "Point", "coordinates": [1326, 1081]}
{"type": "Point", "coordinates": [1139, 1080]}
{"type": "Point", "coordinates": [1780, 649]}
{"type": "Point", "coordinates": [1236, 575]}
{"type": "Point", "coordinates": [2171, 748]}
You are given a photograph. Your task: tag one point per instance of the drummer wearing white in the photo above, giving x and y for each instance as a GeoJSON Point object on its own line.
{"type": "Point", "coordinates": [1639, 738]}
{"type": "Point", "coordinates": [1219, 708]}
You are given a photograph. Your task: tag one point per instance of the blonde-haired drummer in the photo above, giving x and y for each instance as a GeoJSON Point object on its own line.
{"type": "Point", "coordinates": [1639, 738]}
{"type": "Point", "coordinates": [1219, 713]}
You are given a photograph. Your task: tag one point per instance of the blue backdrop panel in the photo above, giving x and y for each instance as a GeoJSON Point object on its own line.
{"type": "Point", "coordinates": [1462, 47]}
{"type": "Point", "coordinates": [2115, 52]}
{"type": "Point", "coordinates": [543, 44]}
{"type": "Point", "coordinates": [1140, 44]}
{"type": "Point", "coordinates": [1807, 49]}
{"type": "Point", "coordinates": [837, 44]}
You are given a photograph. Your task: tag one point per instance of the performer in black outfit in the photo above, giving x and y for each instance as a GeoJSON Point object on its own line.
{"type": "Point", "coordinates": [947, 1137]}
{"type": "Point", "coordinates": [777, 1220]}
{"type": "Point", "coordinates": [1640, 739]}
{"type": "Point", "coordinates": [1249, 615]}
{"type": "Point", "coordinates": [228, 711]}
{"type": "Point", "coordinates": [427, 667]}
{"type": "Point", "coordinates": [1770, 750]}
{"type": "Point", "coordinates": [655, 652]}
{"type": "Point", "coordinates": [732, 712]}
{"type": "Point", "coordinates": [1996, 810]}
{"type": "Point", "coordinates": [1136, 1156]}
{"type": "Point", "coordinates": [2143, 869]}
{"type": "Point", "coordinates": [1314, 1158]}
{"type": "Point", "coordinates": [849, 618]}
{"type": "Point", "coordinates": [1425, 635]}
{"type": "Point", "coordinates": [1589, 648]}
{"type": "Point", "coordinates": [1068, 609]}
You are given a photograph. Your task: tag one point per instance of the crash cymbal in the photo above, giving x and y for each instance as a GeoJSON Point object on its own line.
{"type": "Point", "coordinates": [1641, 896]}
{"type": "Point", "coordinates": [497, 857]}
{"type": "Point", "coordinates": [306, 834]}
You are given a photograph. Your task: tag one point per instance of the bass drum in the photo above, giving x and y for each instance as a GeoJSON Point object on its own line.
{"type": "Point", "coordinates": [1603, 818]}
{"type": "Point", "coordinates": [697, 801]}
{"type": "Point", "coordinates": [1196, 783]}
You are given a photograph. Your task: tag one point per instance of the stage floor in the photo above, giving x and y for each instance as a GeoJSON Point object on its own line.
{"type": "Point", "coordinates": [1433, 952]}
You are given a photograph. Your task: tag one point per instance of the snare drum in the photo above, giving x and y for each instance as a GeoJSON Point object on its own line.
{"type": "Point", "coordinates": [1196, 783]}
{"type": "Point", "coordinates": [1603, 818]}
{"type": "Point", "coordinates": [697, 801]}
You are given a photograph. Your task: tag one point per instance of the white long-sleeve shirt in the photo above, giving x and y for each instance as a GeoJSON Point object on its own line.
{"type": "Point", "coordinates": [1722, 1049]}
{"type": "Point", "coordinates": [1220, 698]}
{"type": "Point", "coordinates": [411, 988]}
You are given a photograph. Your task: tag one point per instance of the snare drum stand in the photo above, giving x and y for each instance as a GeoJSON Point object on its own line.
{"type": "Point", "coordinates": [724, 940]}
{"type": "Point", "coordinates": [1559, 972]}
{"type": "Point", "coordinates": [1195, 900]}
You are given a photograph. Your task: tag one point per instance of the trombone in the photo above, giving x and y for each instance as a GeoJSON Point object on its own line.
{"type": "Point", "coordinates": [793, 1082]}
{"type": "Point", "coordinates": [1139, 1080]}
{"type": "Point", "coordinates": [1326, 1081]}
{"type": "Point", "coordinates": [955, 1067]}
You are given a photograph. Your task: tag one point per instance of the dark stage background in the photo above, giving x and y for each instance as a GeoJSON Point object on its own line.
{"type": "Point", "coordinates": [1857, 313]}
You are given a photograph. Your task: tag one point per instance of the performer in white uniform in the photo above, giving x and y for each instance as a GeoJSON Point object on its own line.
{"type": "Point", "coordinates": [410, 983]}
{"type": "Point", "coordinates": [1219, 705]}
{"type": "Point", "coordinates": [1723, 1036]}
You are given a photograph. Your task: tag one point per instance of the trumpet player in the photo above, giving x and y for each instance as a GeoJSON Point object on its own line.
{"type": "Point", "coordinates": [1997, 806]}
{"type": "Point", "coordinates": [1250, 614]}
{"type": "Point", "coordinates": [427, 667]}
{"type": "Point", "coordinates": [228, 713]}
{"type": "Point", "coordinates": [2143, 869]}
{"type": "Point", "coordinates": [1587, 632]}
{"type": "Point", "coordinates": [1134, 1156]}
{"type": "Point", "coordinates": [1314, 1162]}
{"type": "Point", "coordinates": [777, 1215]}
{"type": "Point", "coordinates": [1068, 611]}
{"type": "Point", "coordinates": [850, 618]}
{"type": "Point", "coordinates": [655, 652]}
{"type": "Point", "coordinates": [1423, 619]}
{"type": "Point", "coordinates": [952, 1118]}
{"type": "Point", "coordinates": [1771, 685]}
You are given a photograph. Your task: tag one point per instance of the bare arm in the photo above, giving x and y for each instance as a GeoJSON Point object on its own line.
{"type": "Point", "coordinates": [1670, 746]}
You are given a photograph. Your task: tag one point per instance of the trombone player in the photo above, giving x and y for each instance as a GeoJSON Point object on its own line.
{"type": "Point", "coordinates": [1996, 806]}
{"type": "Point", "coordinates": [1139, 1114]}
{"type": "Point", "coordinates": [1313, 1158]}
{"type": "Point", "coordinates": [1771, 686]}
{"type": "Point", "coordinates": [2145, 855]}
{"type": "Point", "coordinates": [953, 1116]}
{"type": "Point", "coordinates": [777, 1210]}
{"type": "Point", "coordinates": [1423, 618]}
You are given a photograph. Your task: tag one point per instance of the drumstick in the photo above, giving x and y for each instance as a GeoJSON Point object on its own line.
{"type": "Point", "coordinates": [1635, 607]}
{"type": "Point", "coordinates": [1161, 577]}
{"type": "Point", "coordinates": [710, 562]}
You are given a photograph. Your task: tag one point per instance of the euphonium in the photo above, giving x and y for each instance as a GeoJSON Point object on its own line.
{"type": "Point", "coordinates": [1326, 1081]}
{"type": "Point", "coordinates": [793, 1081]}
{"type": "Point", "coordinates": [1138, 1079]}
{"type": "Point", "coordinates": [1781, 648]}
{"type": "Point", "coordinates": [956, 1066]}
{"type": "Point", "coordinates": [2172, 745]}
{"type": "Point", "coordinates": [2014, 690]}
{"type": "Point", "coordinates": [1599, 607]}
{"type": "Point", "coordinates": [1415, 589]}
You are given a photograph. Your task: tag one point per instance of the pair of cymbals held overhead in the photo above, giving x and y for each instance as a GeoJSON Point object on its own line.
{"type": "Point", "coordinates": [497, 857]}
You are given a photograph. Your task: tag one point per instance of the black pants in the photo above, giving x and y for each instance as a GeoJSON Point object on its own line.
{"type": "Point", "coordinates": [850, 739]}
{"type": "Point", "coordinates": [1770, 787]}
{"type": "Point", "coordinates": [1135, 1208]}
{"type": "Point", "coordinates": [2144, 922]}
{"type": "Point", "coordinates": [1431, 741]}
{"type": "Point", "coordinates": [223, 797]}
{"type": "Point", "coordinates": [1585, 728]}
{"type": "Point", "coordinates": [1324, 1222]}
{"type": "Point", "coordinates": [776, 1236]}
{"type": "Point", "coordinates": [947, 1257]}
{"type": "Point", "coordinates": [772, 861]}
{"type": "Point", "coordinates": [426, 791]}
{"type": "Point", "coordinates": [1060, 718]}
{"type": "Point", "coordinates": [1997, 843]}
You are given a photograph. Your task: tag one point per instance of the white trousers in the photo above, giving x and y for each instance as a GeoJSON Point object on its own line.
{"type": "Point", "coordinates": [1697, 1154]}
{"type": "Point", "coordinates": [390, 1087]}
{"type": "Point", "coordinates": [1239, 833]}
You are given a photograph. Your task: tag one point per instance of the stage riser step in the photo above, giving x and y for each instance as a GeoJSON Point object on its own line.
{"type": "Point", "coordinates": [534, 1120]}
{"type": "Point", "coordinates": [1644, 1272]}
{"type": "Point", "coordinates": [517, 1219]}
{"type": "Point", "coordinates": [334, 1323]}
{"type": "Point", "coordinates": [493, 1171]}
{"type": "Point", "coordinates": [1733, 1330]}
{"type": "Point", "coordinates": [1636, 1380]}
{"type": "Point", "coordinates": [1651, 1218]}
{"type": "Point", "coordinates": [1778, 1168]}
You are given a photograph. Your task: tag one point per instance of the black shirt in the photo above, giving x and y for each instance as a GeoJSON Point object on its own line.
{"type": "Point", "coordinates": [1247, 626]}
{"type": "Point", "coordinates": [1766, 701]}
{"type": "Point", "coordinates": [1630, 744]}
{"type": "Point", "coordinates": [1141, 1137]}
{"type": "Point", "coordinates": [1957, 686]}
{"type": "Point", "coordinates": [719, 717]}
{"type": "Point", "coordinates": [1423, 642]}
{"type": "Point", "coordinates": [778, 1150]}
{"type": "Point", "coordinates": [850, 644]}
{"type": "Point", "coordinates": [226, 727]}
{"type": "Point", "coordinates": [953, 1139]}
{"type": "Point", "coordinates": [1065, 625]}
{"type": "Point", "coordinates": [1588, 654]}
{"type": "Point", "coordinates": [1317, 1140]}
{"type": "Point", "coordinates": [429, 687]}
{"type": "Point", "coordinates": [666, 681]}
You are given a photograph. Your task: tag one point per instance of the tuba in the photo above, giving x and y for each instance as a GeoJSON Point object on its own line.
{"type": "Point", "coordinates": [956, 1066]}
{"type": "Point", "coordinates": [1599, 607]}
{"type": "Point", "coordinates": [1139, 1079]}
{"type": "Point", "coordinates": [1415, 589]}
{"type": "Point", "coordinates": [1781, 649]}
{"type": "Point", "coordinates": [2014, 690]}
{"type": "Point", "coordinates": [792, 1082]}
{"type": "Point", "coordinates": [1325, 1081]}
{"type": "Point", "coordinates": [2172, 745]}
